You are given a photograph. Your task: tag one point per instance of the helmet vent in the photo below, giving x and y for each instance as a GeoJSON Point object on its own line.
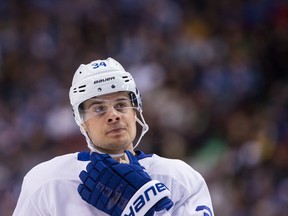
{"type": "Point", "coordinates": [126, 78]}
{"type": "Point", "coordinates": [82, 88]}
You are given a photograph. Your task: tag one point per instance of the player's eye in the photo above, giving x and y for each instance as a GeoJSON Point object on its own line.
{"type": "Point", "coordinates": [98, 109]}
{"type": "Point", "coordinates": [122, 105]}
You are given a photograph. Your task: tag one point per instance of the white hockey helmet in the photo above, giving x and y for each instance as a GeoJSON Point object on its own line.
{"type": "Point", "coordinates": [98, 78]}
{"type": "Point", "coordinates": [101, 77]}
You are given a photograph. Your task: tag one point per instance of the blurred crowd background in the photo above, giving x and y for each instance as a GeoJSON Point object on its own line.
{"type": "Point", "coordinates": [213, 77]}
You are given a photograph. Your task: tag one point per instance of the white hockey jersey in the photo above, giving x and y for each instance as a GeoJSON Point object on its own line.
{"type": "Point", "coordinates": [50, 188]}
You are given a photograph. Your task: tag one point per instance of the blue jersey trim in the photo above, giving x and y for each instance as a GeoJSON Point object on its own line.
{"type": "Point", "coordinates": [141, 155]}
{"type": "Point", "coordinates": [83, 156]}
{"type": "Point", "coordinates": [203, 208]}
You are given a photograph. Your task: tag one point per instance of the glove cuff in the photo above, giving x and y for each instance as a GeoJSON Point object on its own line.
{"type": "Point", "coordinates": [145, 198]}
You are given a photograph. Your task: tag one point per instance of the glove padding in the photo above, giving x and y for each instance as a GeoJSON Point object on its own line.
{"type": "Point", "coordinates": [122, 189]}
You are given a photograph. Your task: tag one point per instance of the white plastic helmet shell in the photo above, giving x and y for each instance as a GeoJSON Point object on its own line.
{"type": "Point", "coordinates": [98, 78]}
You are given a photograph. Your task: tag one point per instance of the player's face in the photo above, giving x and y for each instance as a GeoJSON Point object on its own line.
{"type": "Point", "coordinates": [110, 122]}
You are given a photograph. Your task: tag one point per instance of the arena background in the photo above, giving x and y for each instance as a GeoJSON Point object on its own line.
{"type": "Point", "coordinates": [213, 76]}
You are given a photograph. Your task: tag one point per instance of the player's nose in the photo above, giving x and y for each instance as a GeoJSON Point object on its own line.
{"type": "Point", "coordinates": [113, 115]}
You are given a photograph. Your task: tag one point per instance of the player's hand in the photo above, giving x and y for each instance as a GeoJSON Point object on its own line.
{"type": "Point", "coordinates": [122, 189]}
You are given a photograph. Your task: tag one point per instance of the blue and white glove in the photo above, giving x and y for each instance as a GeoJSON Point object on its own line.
{"type": "Point", "coordinates": [120, 188]}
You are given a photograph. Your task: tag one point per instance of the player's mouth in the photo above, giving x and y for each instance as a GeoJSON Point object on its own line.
{"type": "Point", "coordinates": [116, 130]}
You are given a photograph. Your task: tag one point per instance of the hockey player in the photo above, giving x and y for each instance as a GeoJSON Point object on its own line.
{"type": "Point", "coordinates": [112, 178]}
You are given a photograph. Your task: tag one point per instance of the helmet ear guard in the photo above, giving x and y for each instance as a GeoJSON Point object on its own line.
{"type": "Point", "coordinates": [99, 78]}
{"type": "Point", "coordinates": [136, 99]}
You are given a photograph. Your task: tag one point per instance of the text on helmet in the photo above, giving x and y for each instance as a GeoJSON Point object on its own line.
{"type": "Point", "coordinates": [104, 80]}
{"type": "Point", "coordinates": [98, 64]}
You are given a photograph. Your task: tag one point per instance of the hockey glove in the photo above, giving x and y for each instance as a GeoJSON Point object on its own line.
{"type": "Point", "coordinates": [122, 189]}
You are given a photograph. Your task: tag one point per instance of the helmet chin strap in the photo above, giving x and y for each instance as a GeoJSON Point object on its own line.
{"type": "Point", "coordinates": [144, 126]}
{"type": "Point", "coordinates": [93, 147]}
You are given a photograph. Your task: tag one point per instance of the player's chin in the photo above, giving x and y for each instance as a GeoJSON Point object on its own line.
{"type": "Point", "coordinates": [118, 140]}
{"type": "Point", "coordinates": [120, 145]}
{"type": "Point", "coordinates": [122, 136]}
